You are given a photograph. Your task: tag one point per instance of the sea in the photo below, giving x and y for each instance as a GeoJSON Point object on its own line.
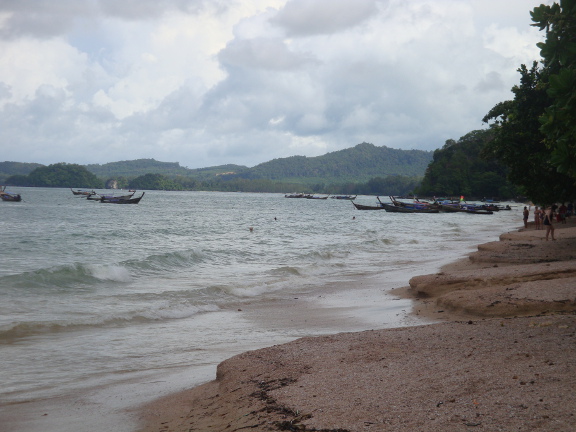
{"type": "Point", "coordinates": [105, 307]}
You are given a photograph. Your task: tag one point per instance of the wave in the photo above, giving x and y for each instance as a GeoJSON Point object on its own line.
{"type": "Point", "coordinates": [328, 255]}
{"type": "Point", "coordinates": [79, 276]}
{"type": "Point", "coordinates": [62, 277]}
{"type": "Point", "coordinates": [9, 333]}
{"type": "Point", "coordinates": [168, 261]}
{"type": "Point", "coordinates": [286, 271]}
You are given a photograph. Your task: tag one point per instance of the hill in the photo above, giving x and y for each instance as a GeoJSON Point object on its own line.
{"type": "Point", "coordinates": [8, 169]}
{"type": "Point", "coordinates": [139, 167]}
{"type": "Point", "coordinates": [356, 164]}
{"type": "Point", "coordinates": [360, 164]}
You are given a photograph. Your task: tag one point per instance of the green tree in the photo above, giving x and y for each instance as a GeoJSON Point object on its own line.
{"type": "Point", "coordinates": [458, 169]}
{"type": "Point", "coordinates": [154, 182]}
{"type": "Point", "coordinates": [519, 143]}
{"type": "Point", "coordinates": [59, 175]}
{"type": "Point", "coordinates": [558, 52]}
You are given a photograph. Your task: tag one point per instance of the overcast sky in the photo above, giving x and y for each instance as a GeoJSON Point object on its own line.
{"type": "Point", "coordinates": [211, 82]}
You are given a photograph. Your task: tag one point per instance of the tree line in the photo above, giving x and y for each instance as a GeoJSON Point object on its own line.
{"type": "Point", "coordinates": [535, 133]}
{"type": "Point", "coordinates": [77, 176]}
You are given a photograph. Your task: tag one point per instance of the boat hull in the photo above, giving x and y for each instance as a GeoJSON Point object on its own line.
{"type": "Point", "coordinates": [122, 200]}
{"type": "Point", "coordinates": [365, 207]}
{"type": "Point", "coordinates": [400, 209]}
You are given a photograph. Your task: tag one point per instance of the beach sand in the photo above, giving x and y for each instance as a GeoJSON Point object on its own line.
{"type": "Point", "coordinates": [500, 357]}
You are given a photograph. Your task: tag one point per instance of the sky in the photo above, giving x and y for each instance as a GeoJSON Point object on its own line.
{"type": "Point", "coordinates": [213, 82]}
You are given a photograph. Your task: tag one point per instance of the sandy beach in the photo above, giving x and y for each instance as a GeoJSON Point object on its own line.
{"type": "Point", "coordinates": [500, 357]}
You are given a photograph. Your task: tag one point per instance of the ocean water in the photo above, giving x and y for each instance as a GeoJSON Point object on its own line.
{"type": "Point", "coordinates": [104, 307]}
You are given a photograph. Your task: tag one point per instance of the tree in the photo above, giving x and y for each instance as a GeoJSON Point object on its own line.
{"type": "Point", "coordinates": [559, 57]}
{"type": "Point", "coordinates": [154, 182]}
{"type": "Point", "coordinates": [458, 169]}
{"type": "Point", "coordinates": [59, 175]}
{"type": "Point", "coordinates": [520, 144]}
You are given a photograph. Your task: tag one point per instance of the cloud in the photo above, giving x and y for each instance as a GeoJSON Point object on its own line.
{"type": "Point", "coordinates": [212, 82]}
{"type": "Point", "coordinates": [261, 53]}
{"type": "Point", "coordinates": [45, 19]}
{"type": "Point", "coordinates": [314, 17]}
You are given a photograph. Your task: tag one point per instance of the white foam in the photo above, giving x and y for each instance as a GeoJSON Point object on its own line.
{"type": "Point", "coordinates": [109, 272]}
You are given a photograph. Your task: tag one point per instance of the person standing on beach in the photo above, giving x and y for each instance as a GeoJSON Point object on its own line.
{"type": "Point", "coordinates": [526, 214]}
{"type": "Point", "coordinates": [548, 218]}
{"type": "Point", "coordinates": [562, 210]}
{"type": "Point", "coordinates": [537, 214]}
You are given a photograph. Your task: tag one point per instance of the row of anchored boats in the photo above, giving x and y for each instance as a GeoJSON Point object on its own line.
{"type": "Point", "coordinates": [436, 206]}
{"type": "Point", "coordinates": [108, 198]}
{"type": "Point", "coordinates": [88, 194]}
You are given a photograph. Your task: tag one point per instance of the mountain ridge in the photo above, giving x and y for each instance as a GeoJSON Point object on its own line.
{"type": "Point", "coordinates": [355, 164]}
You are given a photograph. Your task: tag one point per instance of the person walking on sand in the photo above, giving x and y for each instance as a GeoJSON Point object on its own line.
{"type": "Point", "coordinates": [526, 213]}
{"type": "Point", "coordinates": [537, 214]}
{"type": "Point", "coordinates": [548, 218]}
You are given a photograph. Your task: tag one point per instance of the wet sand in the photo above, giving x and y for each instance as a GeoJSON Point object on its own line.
{"type": "Point", "coordinates": [501, 356]}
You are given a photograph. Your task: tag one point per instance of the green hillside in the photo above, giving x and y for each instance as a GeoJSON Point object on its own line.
{"type": "Point", "coordinates": [356, 164]}
{"type": "Point", "coordinates": [8, 169]}
{"type": "Point", "coordinates": [340, 169]}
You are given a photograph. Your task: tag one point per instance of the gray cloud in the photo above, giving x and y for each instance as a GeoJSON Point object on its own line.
{"type": "Point", "coordinates": [42, 19]}
{"type": "Point", "coordinates": [53, 18]}
{"type": "Point", "coordinates": [261, 53]}
{"type": "Point", "coordinates": [313, 17]}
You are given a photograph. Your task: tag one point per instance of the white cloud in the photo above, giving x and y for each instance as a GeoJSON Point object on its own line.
{"type": "Point", "coordinates": [209, 82]}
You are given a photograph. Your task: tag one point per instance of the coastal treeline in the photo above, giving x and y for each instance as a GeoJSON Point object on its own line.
{"type": "Point", "coordinates": [535, 133]}
{"type": "Point", "coordinates": [64, 175]}
{"type": "Point", "coordinates": [458, 168]}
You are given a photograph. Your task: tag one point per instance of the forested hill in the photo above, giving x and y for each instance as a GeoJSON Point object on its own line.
{"type": "Point", "coordinates": [138, 167]}
{"type": "Point", "coordinates": [356, 164]}
{"type": "Point", "coordinates": [8, 169]}
{"type": "Point", "coordinates": [359, 163]}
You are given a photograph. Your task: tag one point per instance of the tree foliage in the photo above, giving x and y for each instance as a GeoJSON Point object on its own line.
{"type": "Point", "coordinates": [154, 182]}
{"type": "Point", "coordinates": [357, 164]}
{"type": "Point", "coordinates": [558, 52]}
{"type": "Point", "coordinates": [58, 175]}
{"type": "Point", "coordinates": [458, 169]}
{"type": "Point", "coordinates": [520, 144]}
{"type": "Point", "coordinates": [8, 169]}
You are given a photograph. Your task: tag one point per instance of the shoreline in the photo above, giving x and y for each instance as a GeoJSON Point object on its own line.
{"type": "Point", "coordinates": [501, 356]}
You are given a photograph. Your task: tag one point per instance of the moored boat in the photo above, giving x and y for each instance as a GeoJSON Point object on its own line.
{"type": "Point", "coordinates": [99, 197]}
{"type": "Point", "coordinates": [402, 209]}
{"type": "Point", "coordinates": [474, 209]}
{"type": "Point", "coordinates": [10, 197]}
{"type": "Point", "coordinates": [344, 197]}
{"type": "Point", "coordinates": [366, 207]}
{"type": "Point", "coordinates": [120, 200]}
{"type": "Point", "coordinates": [465, 208]}
{"type": "Point", "coordinates": [83, 192]}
